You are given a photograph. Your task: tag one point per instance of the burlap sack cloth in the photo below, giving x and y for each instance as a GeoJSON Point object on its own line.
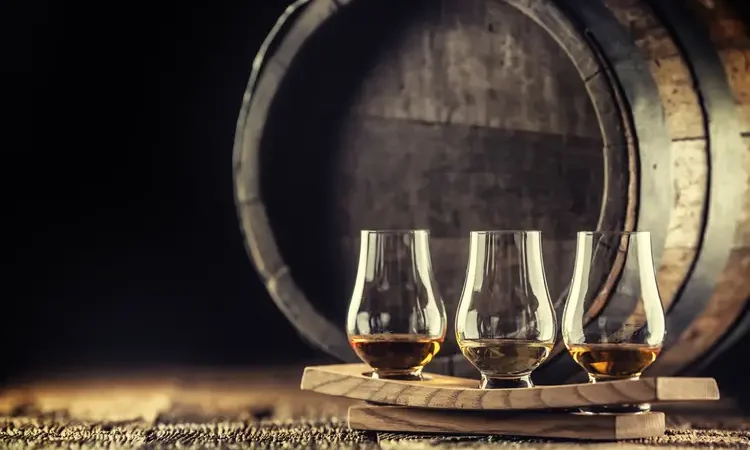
{"type": "Point", "coordinates": [262, 409]}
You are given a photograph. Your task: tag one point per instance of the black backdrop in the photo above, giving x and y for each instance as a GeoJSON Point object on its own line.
{"type": "Point", "coordinates": [122, 247]}
{"type": "Point", "coordinates": [125, 247]}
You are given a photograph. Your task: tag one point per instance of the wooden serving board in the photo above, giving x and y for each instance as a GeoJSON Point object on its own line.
{"type": "Point", "coordinates": [444, 392]}
{"type": "Point", "coordinates": [534, 424]}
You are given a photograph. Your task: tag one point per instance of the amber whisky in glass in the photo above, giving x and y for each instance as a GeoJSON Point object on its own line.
{"type": "Point", "coordinates": [396, 322]}
{"type": "Point", "coordinates": [505, 324]}
{"type": "Point", "coordinates": [614, 361]}
{"type": "Point", "coordinates": [625, 336]}
{"type": "Point", "coordinates": [393, 355]}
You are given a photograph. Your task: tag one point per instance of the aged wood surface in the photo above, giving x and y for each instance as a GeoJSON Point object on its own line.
{"type": "Point", "coordinates": [350, 380]}
{"type": "Point", "coordinates": [704, 293]}
{"type": "Point", "coordinates": [272, 392]}
{"type": "Point", "coordinates": [264, 408]}
{"type": "Point", "coordinates": [728, 300]}
{"type": "Point", "coordinates": [556, 425]}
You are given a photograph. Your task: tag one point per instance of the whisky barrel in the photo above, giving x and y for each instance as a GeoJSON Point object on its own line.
{"type": "Point", "coordinates": [456, 115]}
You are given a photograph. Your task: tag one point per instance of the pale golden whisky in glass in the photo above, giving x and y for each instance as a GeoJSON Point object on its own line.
{"type": "Point", "coordinates": [499, 359]}
{"type": "Point", "coordinates": [505, 322]}
{"type": "Point", "coordinates": [396, 355]}
{"type": "Point", "coordinates": [614, 361]}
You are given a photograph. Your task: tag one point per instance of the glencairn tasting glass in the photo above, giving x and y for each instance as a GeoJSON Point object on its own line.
{"type": "Point", "coordinates": [396, 322]}
{"type": "Point", "coordinates": [505, 323]}
{"type": "Point", "coordinates": [627, 334]}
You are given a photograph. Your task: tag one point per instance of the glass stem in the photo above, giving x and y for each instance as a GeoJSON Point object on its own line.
{"type": "Point", "coordinates": [489, 382]}
{"type": "Point", "coordinates": [404, 375]}
{"type": "Point", "coordinates": [593, 379]}
{"type": "Point", "coordinates": [636, 408]}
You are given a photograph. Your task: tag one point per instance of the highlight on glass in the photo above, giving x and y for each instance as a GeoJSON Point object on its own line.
{"type": "Point", "coordinates": [613, 323]}
{"type": "Point", "coordinates": [505, 324]}
{"type": "Point", "coordinates": [396, 321]}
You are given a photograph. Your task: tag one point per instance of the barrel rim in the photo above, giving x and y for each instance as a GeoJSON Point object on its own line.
{"type": "Point", "coordinates": [302, 17]}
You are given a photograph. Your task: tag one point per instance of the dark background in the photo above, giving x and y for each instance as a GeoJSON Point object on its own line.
{"type": "Point", "coordinates": [122, 246]}
{"type": "Point", "coordinates": [125, 247]}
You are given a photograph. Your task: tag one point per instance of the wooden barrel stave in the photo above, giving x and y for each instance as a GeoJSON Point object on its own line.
{"type": "Point", "coordinates": [684, 121]}
{"type": "Point", "coordinates": [730, 35]}
{"type": "Point", "coordinates": [720, 64]}
{"type": "Point", "coordinates": [687, 151]}
{"type": "Point", "coordinates": [269, 69]}
{"type": "Point", "coordinates": [618, 206]}
{"type": "Point", "coordinates": [669, 76]}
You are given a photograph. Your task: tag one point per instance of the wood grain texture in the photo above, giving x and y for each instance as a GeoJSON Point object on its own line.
{"type": "Point", "coordinates": [205, 395]}
{"type": "Point", "coordinates": [550, 425]}
{"type": "Point", "coordinates": [444, 392]}
{"type": "Point", "coordinates": [727, 302]}
{"type": "Point", "coordinates": [699, 262]}
{"type": "Point", "coordinates": [689, 172]}
{"type": "Point", "coordinates": [472, 62]}
{"type": "Point", "coordinates": [264, 408]}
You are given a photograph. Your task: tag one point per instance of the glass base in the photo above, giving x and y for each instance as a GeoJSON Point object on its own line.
{"type": "Point", "coordinates": [604, 378]}
{"type": "Point", "coordinates": [505, 383]}
{"type": "Point", "coordinates": [402, 375]}
{"type": "Point", "coordinates": [636, 408]}
{"type": "Point", "coordinates": [639, 408]}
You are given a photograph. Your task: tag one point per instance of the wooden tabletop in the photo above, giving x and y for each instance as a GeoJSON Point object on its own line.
{"type": "Point", "coordinates": [262, 404]}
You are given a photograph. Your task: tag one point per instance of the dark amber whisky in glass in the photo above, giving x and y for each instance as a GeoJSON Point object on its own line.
{"type": "Point", "coordinates": [614, 361]}
{"type": "Point", "coordinates": [396, 355]}
{"type": "Point", "coordinates": [396, 321]}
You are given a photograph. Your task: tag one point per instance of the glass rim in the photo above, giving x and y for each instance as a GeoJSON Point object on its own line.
{"type": "Point", "coordinates": [395, 230]}
{"type": "Point", "coordinates": [614, 233]}
{"type": "Point", "coordinates": [503, 231]}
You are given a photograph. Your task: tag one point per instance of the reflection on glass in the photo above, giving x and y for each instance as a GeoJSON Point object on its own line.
{"type": "Point", "coordinates": [626, 336]}
{"type": "Point", "coordinates": [505, 323]}
{"type": "Point", "coordinates": [396, 322]}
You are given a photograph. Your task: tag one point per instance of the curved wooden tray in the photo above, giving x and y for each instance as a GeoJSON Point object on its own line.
{"type": "Point", "coordinates": [444, 392]}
